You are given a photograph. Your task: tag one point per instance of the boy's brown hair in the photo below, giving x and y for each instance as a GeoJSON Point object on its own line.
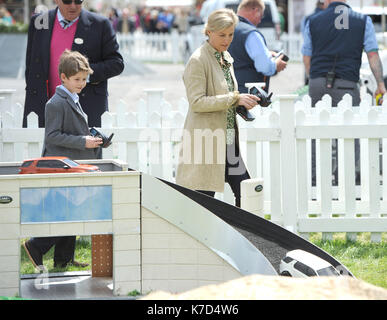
{"type": "Point", "coordinates": [72, 62]}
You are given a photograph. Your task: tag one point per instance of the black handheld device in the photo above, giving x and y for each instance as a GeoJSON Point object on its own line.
{"type": "Point", "coordinates": [265, 101]}
{"type": "Point", "coordinates": [284, 58]}
{"type": "Point", "coordinates": [106, 141]}
{"type": "Point", "coordinates": [244, 113]}
{"type": "Point", "coordinates": [265, 98]}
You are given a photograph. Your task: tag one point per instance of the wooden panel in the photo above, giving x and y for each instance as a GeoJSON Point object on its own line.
{"type": "Point", "coordinates": [102, 255]}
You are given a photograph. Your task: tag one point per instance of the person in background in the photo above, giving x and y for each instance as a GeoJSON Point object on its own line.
{"type": "Point", "coordinates": [6, 17]}
{"type": "Point", "coordinates": [281, 13]}
{"type": "Point", "coordinates": [125, 24]}
{"type": "Point", "coordinates": [332, 54]}
{"type": "Point", "coordinates": [181, 21]}
{"type": "Point", "coordinates": [333, 48]}
{"type": "Point", "coordinates": [212, 94]}
{"type": "Point", "coordinates": [165, 21]}
{"type": "Point", "coordinates": [153, 21]}
{"type": "Point", "coordinates": [68, 26]}
{"type": "Point", "coordinates": [319, 8]}
{"type": "Point", "coordinates": [253, 62]}
{"type": "Point", "coordinates": [210, 6]}
{"type": "Point", "coordinates": [113, 17]}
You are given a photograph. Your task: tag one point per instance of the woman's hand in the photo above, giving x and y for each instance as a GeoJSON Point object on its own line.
{"type": "Point", "coordinates": [249, 101]}
{"type": "Point", "coordinates": [93, 142]}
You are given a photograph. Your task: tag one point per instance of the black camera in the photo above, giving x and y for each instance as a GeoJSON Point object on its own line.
{"type": "Point", "coordinates": [244, 113]}
{"type": "Point", "coordinates": [262, 95]}
{"type": "Point", "coordinates": [264, 102]}
{"type": "Point", "coordinates": [106, 141]}
{"type": "Point", "coordinates": [284, 58]}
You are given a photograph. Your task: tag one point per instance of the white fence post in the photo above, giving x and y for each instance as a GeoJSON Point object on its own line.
{"type": "Point", "coordinates": [346, 156]}
{"type": "Point", "coordinates": [1, 112]}
{"type": "Point", "coordinates": [288, 162]}
{"type": "Point", "coordinates": [159, 47]}
{"type": "Point", "coordinates": [154, 100]}
{"type": "Point", "coordinates": [1, 133]}
{"type": "Point", "coordinates": [175, 46]}
{"type": "Point", "coordinates": [6, 104]}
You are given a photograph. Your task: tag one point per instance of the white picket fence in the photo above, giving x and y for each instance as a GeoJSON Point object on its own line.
{"type": "Point", "coordinates": [175, 48]}
{"type": "Point", "coordinates": [276, 146]}
{"type": "Point", "coordinates": [153, 47]}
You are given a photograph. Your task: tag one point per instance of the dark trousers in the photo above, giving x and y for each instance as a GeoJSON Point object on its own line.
{"type": "Point", "coordinates": [235, 173]}
{"type": "Point", "coordinates": [317, 89]}
{"type": "Point", "coordinates": [64, 247]}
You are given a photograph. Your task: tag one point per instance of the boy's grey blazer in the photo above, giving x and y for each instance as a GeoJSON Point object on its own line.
{"type": "Point", "coordinates": [66, 129]}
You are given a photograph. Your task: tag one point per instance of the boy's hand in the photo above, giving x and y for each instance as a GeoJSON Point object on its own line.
{"type": "Point", "coordinates": [93, 142]}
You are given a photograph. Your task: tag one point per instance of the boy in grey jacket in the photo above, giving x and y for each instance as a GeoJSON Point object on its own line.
{"type": "Point", "coordinates": [66, 134]}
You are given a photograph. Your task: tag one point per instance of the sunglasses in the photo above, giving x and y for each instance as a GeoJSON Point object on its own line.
{"type": "Point", "coordinates": [71, 1]}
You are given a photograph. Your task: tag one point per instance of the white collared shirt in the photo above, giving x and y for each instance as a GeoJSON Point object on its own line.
{"type": "Point", "coordinates": [73, 96]}
{"type": "Point", "coordinates": [61, 19]}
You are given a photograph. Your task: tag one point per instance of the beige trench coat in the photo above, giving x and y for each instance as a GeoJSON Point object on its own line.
{"type": "Point", "coordinates": [202, 161]}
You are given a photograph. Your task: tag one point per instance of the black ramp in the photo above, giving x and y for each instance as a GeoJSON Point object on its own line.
{"type": "Point", "coordinates": [271, 239]}
{"type": "Point", "coordinates": [204, 226]}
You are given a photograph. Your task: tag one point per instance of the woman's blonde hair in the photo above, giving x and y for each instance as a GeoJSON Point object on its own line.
{"type": "Point", "coordinates": [220, 19]}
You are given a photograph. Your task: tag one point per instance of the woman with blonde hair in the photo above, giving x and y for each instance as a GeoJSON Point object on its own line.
{"type": "Point", "coordinates": [209, 155]}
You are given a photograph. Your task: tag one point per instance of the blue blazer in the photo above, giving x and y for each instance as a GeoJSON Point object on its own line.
{"type": "Point", "coordinates": [99, 45]}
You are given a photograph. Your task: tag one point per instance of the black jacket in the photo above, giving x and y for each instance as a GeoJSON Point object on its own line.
{"type": "Point", "coordinates": [99, 46]}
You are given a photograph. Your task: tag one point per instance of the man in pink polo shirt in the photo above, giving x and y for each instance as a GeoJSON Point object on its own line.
{"type": "Point", "coordinates": [69, 26]}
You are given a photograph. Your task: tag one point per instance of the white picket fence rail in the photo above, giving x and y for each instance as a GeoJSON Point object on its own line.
{"type": "Point", "coordinates": [276, 146]}
{"type": "Point", "coordinates": [175, 48]}
{"type": "Point", "coordinates": [153, 47]}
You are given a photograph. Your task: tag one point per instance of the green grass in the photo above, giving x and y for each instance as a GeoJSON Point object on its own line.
{"type": "Point", "coordinates": [82, 254]}
{"type": "Point", "coordinates": [365, 259]}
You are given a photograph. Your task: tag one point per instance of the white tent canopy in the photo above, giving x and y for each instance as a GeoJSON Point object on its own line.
{"type": "Point", "coordinates": [168, 3]}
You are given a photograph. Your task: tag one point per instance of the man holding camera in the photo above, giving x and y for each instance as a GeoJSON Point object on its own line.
{"type": "Point", "coordinates": [253, 62]}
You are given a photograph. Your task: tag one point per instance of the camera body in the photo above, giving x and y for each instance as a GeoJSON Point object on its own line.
{"type": "Point", "coordinates": [265, 98]}
{"type": "Point", "coordinates": [106, 141]}
{"type": "Point", "coordinates": [284, 58]}
{"type": "Point", "coordinates": [265, 101]}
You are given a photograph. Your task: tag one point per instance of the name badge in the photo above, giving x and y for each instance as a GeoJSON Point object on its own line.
{"type": "Point", "coordinates": [78, 41]}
